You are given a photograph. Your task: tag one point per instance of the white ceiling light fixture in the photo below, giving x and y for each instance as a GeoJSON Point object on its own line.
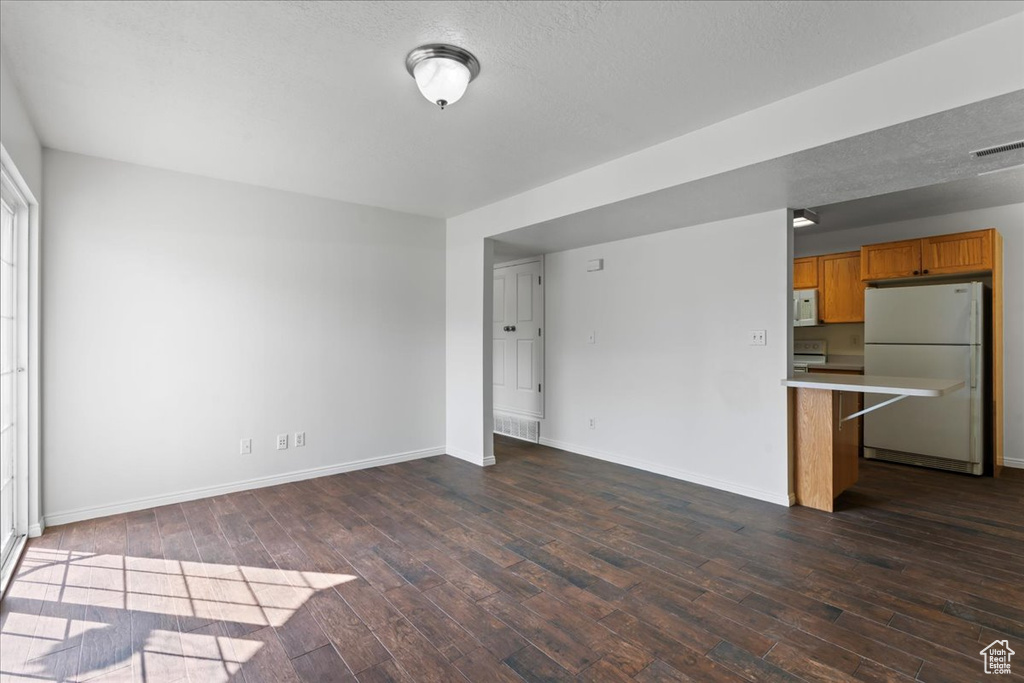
{"type": "Point", "coordinates": [442, 72]}
{"type": "Point", "coordinates": [804, 218]}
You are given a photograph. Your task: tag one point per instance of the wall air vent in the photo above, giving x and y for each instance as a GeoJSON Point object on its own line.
{"type": "Point", "coordinates": [998, 149]}
{"type": "Point", "coordinates": [517, 427]}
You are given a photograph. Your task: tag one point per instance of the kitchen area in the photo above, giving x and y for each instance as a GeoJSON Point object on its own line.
{"type": "Point", "coordinates": [897, 356]}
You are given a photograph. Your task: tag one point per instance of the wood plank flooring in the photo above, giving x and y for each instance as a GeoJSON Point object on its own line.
{"type": "Point", "coordinates": [546, 567]}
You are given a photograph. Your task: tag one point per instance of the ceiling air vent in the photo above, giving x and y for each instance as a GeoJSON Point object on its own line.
{"type": "Point", "coordinates": [998, 149]}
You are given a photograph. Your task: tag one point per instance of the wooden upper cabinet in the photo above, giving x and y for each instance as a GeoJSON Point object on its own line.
{"type": "Point", "coordinates": [841, 299]}
{"type": "Point", "coordinates": [965, 252]}
{"type": "Point", "coordinates": [890, 260]}
{"type": "Point", "coordinates": [805, 273]}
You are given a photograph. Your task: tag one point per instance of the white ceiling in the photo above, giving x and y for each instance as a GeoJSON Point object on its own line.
{"type": "Point", "coordinates": [857, 181]}
{"type": "Point", "coordinates": [313, 96]}
{"type": "Point", "coordinates": [966, 194]}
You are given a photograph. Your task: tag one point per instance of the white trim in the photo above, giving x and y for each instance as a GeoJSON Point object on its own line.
{"type": "Point", "coordinates": [36, 530]}
{"type": "Point", "coordinates": [489, 460]}
{"type": "Point", "coordinates": [5, 577]}
{"type": "Point", "coordinates": [519, 413]}
{"type": "Point", "coordinates": [684, 475]}
{"type": "Point", "coordinates": [792, 499]}
{"type": "Point", "coordinates": [80, 514]}
{"type": "Point", "coordinates": [519, 262]}
{"type": "Point", "coordinates": [27, 514]}
{"type": "Point", "coordinates": [1013, 462]}
{"type": "Point", "coordinates": [470, 457]}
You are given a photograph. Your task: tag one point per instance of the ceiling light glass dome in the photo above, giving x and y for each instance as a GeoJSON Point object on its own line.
{"type": "Point", "coordinates": [442, 72]}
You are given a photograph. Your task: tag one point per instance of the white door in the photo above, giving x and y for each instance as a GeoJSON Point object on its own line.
{"type": "Point", "coordinates": [519, 339]}
{"type": "Point", "coordinates": [8, 376]}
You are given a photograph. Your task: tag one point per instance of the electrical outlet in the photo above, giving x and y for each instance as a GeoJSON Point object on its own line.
{"type": "Point", "coordinates": [246, 447]}
{"type": "Point", "coordinates": [855, 339]}
{"type": "Point", "coordinates": [282, 442]}
{"type": "Point", "coordinates": [593, 423]}
{"type": "Point", "coordinates": [300, 439]}
{"type": "Point", "coordinates": [757, 337]}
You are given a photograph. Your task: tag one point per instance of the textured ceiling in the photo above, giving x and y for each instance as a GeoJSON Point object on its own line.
{"type": "Point", "coordinates": [966, 194]}
{"type": "Point", "coordinates": [314, 97]}
{"type": "Point", "coordinates": [836, 179]}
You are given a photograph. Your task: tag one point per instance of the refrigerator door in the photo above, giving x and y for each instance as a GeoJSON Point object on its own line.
{"type": "Point", "coordinates": [933, 314]}
{"type": "Point", "coordinates": [940, 427]}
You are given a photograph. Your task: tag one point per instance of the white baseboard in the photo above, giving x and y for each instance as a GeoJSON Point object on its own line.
{"type": "Point", "coordinates": [1013, 462]}
{"type": "Point", "coordinates": [36, 530]}
{"type": "Point", "coordinates": [68, 516]}
{"type": "Point", "coordinates": [792, 499]}
{"type": "Point", "coordinates": [489, 460]}
{"type": "Point", "coordinates": [779, 499]}
{"type": "Point", "coordinates": [469, 456]}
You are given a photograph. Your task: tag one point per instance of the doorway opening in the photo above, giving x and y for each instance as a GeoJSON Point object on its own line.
{"type": "Point", "coordinates": [518, 348]}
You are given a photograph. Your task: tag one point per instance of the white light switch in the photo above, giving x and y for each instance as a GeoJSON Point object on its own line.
{"type": "Point", "coordinates": [595, 264]}
{"type": "Point", "coordinates": [757, 338]}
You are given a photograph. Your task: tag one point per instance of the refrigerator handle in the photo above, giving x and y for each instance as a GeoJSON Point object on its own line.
{"type": "Point", "coordinates": [975, 356]}
{"type": "Point", "coordinates": [975, 340]}
{"type": "Point", "coordinates": [975, 337]}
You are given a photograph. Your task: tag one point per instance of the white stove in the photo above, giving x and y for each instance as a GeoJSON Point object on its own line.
{"type": "Point", "coordinates": [809, 352]}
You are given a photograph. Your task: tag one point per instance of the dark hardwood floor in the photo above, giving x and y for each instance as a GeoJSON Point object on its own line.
{"type": "Point", "coordinates": [546, 567]}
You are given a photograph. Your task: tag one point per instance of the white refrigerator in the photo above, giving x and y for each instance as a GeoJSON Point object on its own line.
{"type": "Point", "coordinates": [934, 331]}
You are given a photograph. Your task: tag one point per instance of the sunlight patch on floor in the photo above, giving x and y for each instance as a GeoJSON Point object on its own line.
{"type": "Point", "coordinates": [74, 616]}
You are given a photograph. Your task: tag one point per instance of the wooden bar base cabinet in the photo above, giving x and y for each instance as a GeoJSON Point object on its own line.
{"type": "Point", "coordinates": [825, 448]}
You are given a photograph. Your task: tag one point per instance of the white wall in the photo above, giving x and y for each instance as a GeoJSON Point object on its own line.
{"type": "Point", "coordinates": [672, 382]}
{"type": "Point", "coordinates": [17, 133]}
{"type": "Point", "coordinates": [1009, 220]}
{"type": "Point", "coordinates": [182, 314]}
{"type": "Point", "coordinates": [468, 399]}
{"type": "Point", "coordinates": [967, 68]}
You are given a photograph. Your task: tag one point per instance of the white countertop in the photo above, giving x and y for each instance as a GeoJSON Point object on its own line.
{"type": "Point", "coordinates": [876, 384]}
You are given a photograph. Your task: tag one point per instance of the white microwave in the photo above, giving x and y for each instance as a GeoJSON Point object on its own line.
{"type": "Point", "coordinates": [805, 307]}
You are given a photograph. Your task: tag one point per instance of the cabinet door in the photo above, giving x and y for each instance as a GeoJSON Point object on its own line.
{"type": "Point", "coordinates": [841, 297]}
{"type": "Point", "coordinates": [965, 252]}
{"type": "Point", "coordinates": [805, 273]}
{"type": "Point", "coordinates": [890, 260]}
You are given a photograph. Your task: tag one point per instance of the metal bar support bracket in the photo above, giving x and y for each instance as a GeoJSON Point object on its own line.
{"type": "Point", "coordinates": [892, 400]}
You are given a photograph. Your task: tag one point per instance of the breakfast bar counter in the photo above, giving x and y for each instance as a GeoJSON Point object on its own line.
{"type": "Point", "coordinates": [826, 440]}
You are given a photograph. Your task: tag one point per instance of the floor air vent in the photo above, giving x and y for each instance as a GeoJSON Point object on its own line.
{"type": "Point", "coordinates": [517, 427]}
{"type": "Point", "coordinates": [921, 460]}
{"type": "Point", "coordinates": [998, 149]}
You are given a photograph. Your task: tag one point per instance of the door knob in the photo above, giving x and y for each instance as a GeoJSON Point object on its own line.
{"type": "Point", "coordinates": [510, 328]}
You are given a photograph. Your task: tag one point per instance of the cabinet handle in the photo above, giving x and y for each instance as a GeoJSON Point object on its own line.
{"type": "Point", "coordinates": [915, 272]}
{"type": "Point", "coordinates": [925, 271]}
